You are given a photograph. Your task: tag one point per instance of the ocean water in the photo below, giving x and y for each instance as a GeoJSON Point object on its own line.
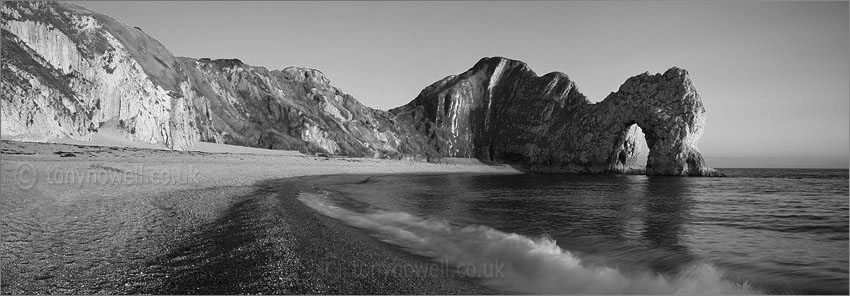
{"type": "Point", "coordinates": [757, 231]}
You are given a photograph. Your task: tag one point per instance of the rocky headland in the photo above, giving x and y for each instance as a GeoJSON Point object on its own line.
{"type": "Point", "coordinates": [501, 111]}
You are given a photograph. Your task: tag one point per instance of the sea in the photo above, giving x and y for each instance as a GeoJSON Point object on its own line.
{"type": "Point", "coordinates": [756, 231]}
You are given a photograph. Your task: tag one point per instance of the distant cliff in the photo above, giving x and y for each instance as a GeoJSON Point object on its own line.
{"type": "Point", "coordinates": [69, 72]}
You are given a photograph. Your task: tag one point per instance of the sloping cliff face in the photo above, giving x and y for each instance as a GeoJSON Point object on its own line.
{"type": "Point", "coordinates": [294, 109]}
{"type": "Point", "coordinates": [67, 71]}
{"type": "Point", "coordinates": [501, 111]}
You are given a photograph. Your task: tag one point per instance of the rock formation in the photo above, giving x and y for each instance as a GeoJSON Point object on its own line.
{"type": "Point", "coordinates": [501, 111]}
{"type": "Point", "coordinates": [69, 72]}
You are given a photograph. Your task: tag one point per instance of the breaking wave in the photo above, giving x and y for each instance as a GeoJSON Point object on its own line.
{"type": "Point", "coordinates": [526, 265]}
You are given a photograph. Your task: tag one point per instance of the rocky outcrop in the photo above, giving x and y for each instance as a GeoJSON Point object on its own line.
{"type": "Point", "coordinates": [671, 115]}
{"type": "Point", "coordinates": [70, 72]}
{"type": "Point", "coordinates": [501, 111]}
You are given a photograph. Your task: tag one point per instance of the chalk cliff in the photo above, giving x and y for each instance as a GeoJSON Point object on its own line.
{"type": "Point", "coordinates": [66, 70]}
{"type": "Point", "coordinates": [70, 72]}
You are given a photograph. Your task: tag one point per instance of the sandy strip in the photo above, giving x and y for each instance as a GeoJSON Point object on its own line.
{"type": "Point", "coordinates": [95, 219]}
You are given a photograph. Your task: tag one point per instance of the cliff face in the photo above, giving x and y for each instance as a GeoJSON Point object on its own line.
{"type": "Point", "coordinates": [501, 111]}
{"type": "Point", "coordinates": [294, 109]}
{"type": "Point", "coordinates": [67, 72]}
{"type": "Point", "coordinates": [70, 72]}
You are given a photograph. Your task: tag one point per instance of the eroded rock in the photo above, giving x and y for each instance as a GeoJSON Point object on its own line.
{"type": "Point", "coordinates": [501, 111]}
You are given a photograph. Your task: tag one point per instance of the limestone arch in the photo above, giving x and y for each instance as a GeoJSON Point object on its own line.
{"type": "Point", "coordinates": [672, 117]}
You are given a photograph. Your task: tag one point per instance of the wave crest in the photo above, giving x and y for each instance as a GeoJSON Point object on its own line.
{"type": "Point", "coordinates": [517, 263]}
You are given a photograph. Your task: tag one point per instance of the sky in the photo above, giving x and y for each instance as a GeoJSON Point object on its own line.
{"type": "Point", "coordinates": [774, 76]}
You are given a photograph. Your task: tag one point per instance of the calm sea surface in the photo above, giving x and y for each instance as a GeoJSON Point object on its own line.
{"type": "Point", "coordinates": [755, 231]}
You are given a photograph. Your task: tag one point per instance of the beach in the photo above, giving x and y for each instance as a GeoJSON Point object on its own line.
{"type": "Point", "coordinates": [82, 219]}
{"type": "Point", "coordinates": [85, 219]}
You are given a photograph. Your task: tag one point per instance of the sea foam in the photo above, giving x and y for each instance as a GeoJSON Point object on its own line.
{"type": "Point", "coordinates": [525, 265]}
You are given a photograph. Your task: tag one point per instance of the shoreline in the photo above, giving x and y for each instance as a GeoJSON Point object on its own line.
{"type": "Point", "coordinates": [371, 266]}
{"type": "Point", "coordinates": [218, 223]}
{"type": "Point", "coordinates": [312, 253]}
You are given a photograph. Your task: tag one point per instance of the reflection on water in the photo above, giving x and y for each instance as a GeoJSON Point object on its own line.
{"type": "Point", "coordinates": [667, 204]}
{"type": "Point", "coordinates": [773, 230]}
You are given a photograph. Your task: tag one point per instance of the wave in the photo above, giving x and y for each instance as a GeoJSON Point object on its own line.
{"type": "Point", "coordinates": [515, 263]}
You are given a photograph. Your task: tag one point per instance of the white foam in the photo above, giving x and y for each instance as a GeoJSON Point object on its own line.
{"type": "Point", "coordinates": [525, 265]}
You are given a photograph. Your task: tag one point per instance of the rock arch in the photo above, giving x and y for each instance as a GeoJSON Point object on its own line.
{"type": "Point", "coordinates": [669, 111]}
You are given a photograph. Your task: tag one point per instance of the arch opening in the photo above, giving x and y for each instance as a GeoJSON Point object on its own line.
{"type": "Point", "coordinates": [633, 151]}
{"type": "Point", "coordinates": [642, 148]}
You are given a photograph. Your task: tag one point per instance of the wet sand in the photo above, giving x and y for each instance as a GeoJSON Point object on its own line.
{"type": "Point", "coordinates": [91, 219]}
